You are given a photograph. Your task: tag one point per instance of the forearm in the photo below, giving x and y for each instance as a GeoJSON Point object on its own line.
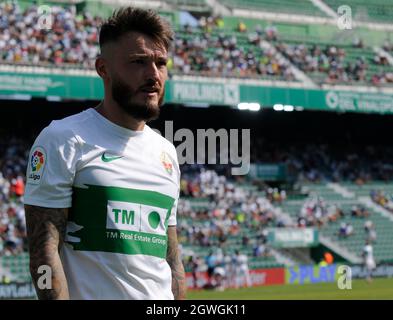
{"type": "Point", "coordinates": [174, 261]}
{"type": "Point", "coordinates": [46, 232]}
{"type": "Point", "coordinates": [178, 281]}
{"type": "Point", "coordinates": [50, 285]}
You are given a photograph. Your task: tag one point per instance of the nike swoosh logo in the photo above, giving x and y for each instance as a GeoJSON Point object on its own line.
{"type": "Point", "coordinates": [109, 159]}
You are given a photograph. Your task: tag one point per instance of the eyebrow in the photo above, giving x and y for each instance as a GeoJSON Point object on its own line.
{"type": "Point", "coordinates": [144, 55]}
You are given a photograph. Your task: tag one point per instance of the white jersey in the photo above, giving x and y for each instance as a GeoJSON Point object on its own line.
{"type": "Point", "coordinates": [122, 188]}
{"type": "Point", "coordinates": [368, 256]}
{"type": "Point", "coordinates": [243, 262]}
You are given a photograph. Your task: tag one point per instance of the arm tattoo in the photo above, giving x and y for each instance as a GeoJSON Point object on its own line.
{"type": "Point", "coordinates": [46, 232]}
{"type": "Point", "coordinates": [174, 261]}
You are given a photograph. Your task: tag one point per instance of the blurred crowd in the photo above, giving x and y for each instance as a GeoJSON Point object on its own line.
{"type": "Point", "coordinates": [385, 200]}
{"type": "Point", "coordinates": [12, 183]}
{"type": "Point", "coordinates": [204, 52]}
{"type": "Point", "coordinates": [321, 162]}
{"type": "Point", "coordinates": [71, 40]}
{"type": "Point", "coordinates": [229, 210]}
{"type": "Point", "coordinates": [387, 46]}
{"type": "Point", "coordinates": [346, 230]}
{"type": "Point", "coordinates": [208, 49]}
{"type": "Point", "coordinates": [316, 212]}
{"type": "Point", "coordinates": [331, 60]}
{"type": "Point", "coordinates": [381, 59]}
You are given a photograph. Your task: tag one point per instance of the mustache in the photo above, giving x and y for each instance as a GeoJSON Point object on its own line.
{"type": "Point", "coordinates": [150, 86]}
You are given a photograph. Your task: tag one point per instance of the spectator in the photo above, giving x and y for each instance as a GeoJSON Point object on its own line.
{"type": "Point", "coordinates": [371, 234]}
{"type": "Point", "coordinates": [260, 250]}
{"type": "Point", "coordinates": [328, 257]}
{"type": "Point", "coordinates": [379, 197]}
{"type": "Point", "coordinates": [245, 241]}
{"type": "Point", "coordinates": [359, 212]}
{"type": "Point", "coordinates": [346, 230]}
{"type": "Point", "coordinates": [271, 32]}
{"type": "Point", "coordinates": [241, 27]}
{"type": "Point", "coordinates": [358, 43]}
{"type": "Point", "coordinates": [335, 213]}
{"type": "Point", "coordinates": [5, 279]}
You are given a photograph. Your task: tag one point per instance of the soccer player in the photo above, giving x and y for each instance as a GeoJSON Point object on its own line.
{"type": "Point", "coordinates": [102, 186]}
{"type": "Point", "coordinates": [242, 270]}
{"type": "Point", "coordinates": [368, 259]}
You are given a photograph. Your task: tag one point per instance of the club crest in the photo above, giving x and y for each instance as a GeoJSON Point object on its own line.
{"type": "Point", "coordinates": [166, 162]}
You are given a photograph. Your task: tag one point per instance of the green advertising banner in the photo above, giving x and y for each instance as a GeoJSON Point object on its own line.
{"type": "Point", "coordinates": [269, 172]}
{"type": "Point", "coordinates": [40, 85]}
{"type": "Point", "coordinates": [293, 237]}
{"type": "Point", "coordinates": [201, 92]}
{"type": "Point", "coordinates": [309, 99]}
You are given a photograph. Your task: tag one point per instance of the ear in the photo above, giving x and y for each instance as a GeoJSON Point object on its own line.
{"type": "Point", "coordinates": [101, 67]}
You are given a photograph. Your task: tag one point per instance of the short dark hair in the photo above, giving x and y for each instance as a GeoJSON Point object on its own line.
{"type": "Point", "coordinates": [127, 19]}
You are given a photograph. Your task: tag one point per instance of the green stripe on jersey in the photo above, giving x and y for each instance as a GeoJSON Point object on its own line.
{"type": "Point", "coordinates": [119, 220]}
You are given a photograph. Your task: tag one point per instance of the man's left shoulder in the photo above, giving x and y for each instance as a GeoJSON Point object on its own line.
{"type": "Point", "coordinates": [164, 144]}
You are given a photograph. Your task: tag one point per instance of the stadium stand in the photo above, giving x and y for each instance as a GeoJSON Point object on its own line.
{"type": "Point", "coordinates": [16, 267]}
{"type": "Point", "coordinates": [223, 214]}
{"type": "Point", "coordinates": [194, 5]}
{"type": "Point", "coordinates": [303, 7]}
{"type": "Point", "coordinates": [209, 50]}
{"type": "Point", "coordinates": [355, 241]}
{"type": "Point", "coordinates": [72, 42]}
{"type": "Point", "coordinates": [378, 11]}
{"type": "Point", "coordinates": [223, 55]}
{"type": "Point", "coordinates": [333, 64]}
{"type": "Point", "coordinates": [383, 198]}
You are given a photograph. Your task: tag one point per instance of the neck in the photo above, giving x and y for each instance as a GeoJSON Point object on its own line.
{"type": "Point", "coordinates": [115, 114]}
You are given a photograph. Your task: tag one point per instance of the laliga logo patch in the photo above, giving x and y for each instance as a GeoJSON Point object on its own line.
{"type": "Point", "coordinates": [166, 162]}
{"type": "Point", "coordinates": [37, 165]}
{"type": "Point", "coordinates": [37, 160]}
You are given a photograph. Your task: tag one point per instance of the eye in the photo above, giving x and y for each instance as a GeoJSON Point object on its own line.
{"type": "Point", "coordinates": [138, 61]}
{"type": "Point", "coordinates": [162, 63]}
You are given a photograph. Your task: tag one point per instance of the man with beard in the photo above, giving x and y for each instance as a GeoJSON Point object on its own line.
{"type": "Point", "coordinates": [102, 186]}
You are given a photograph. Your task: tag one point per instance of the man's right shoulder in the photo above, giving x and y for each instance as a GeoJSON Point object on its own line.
{"type": "Point", "coordinates": [67, 127]}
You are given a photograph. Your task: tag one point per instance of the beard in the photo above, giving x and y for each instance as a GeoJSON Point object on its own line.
{"type": "Point", "coordinates": [124, 96]}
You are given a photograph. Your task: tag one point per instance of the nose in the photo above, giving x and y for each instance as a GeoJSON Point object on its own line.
{"type": "Point", "coordinates": [152, 72]}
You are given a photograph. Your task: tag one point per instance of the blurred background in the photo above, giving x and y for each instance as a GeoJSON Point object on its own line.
{"type": "Point", "coordinates": [312, 82]}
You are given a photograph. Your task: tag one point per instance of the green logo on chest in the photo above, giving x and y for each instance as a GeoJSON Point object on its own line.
{"type": "Point", "coordinates": [109, 159]}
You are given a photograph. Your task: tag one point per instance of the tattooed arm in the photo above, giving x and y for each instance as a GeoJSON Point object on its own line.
{"type": "Point", "coordinates": [174, 261]}
{"type": "Point", "coordinates": [45, 232]}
